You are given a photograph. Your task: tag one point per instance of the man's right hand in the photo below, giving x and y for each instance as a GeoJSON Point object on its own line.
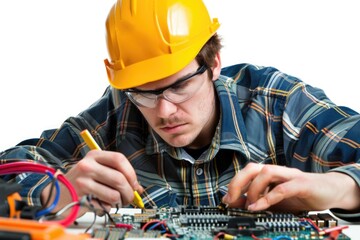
{"type": "Point", "coordinates": [106, 175]}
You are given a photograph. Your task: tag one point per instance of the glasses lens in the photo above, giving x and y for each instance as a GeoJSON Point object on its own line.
{"type": "Point", "coordinates": [178, 92]}
{"type": "Point", "coordinates": [183, 91]}
{"type": "Point", "coordinates": [143, 99]}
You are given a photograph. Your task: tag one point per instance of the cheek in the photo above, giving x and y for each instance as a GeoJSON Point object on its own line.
{"type": "Point", "coordinates": [197, 107]}
{"type": "Point", "coordinates": [206, 102]}
{"type": "Point", "coordinates": [199, 110]}
{"type": "Point", "coordinates": [203, 105]}
{"type": "Point", "coordinates": [149, 115]}
{"type": "Point", "coordinates": [203, 112]}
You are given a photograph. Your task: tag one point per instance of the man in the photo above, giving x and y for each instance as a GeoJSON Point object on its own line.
{"type": "Point", "coordinates": [180, 129]}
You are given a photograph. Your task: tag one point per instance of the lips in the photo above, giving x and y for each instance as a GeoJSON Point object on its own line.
{"type": "Point", "coordinates": [172, 128]}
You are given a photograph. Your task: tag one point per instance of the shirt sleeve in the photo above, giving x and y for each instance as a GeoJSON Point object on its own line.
{"type": "Point", "coordinates": [322, 137]}
{"type": "Point", "coordinates": [291, 123]}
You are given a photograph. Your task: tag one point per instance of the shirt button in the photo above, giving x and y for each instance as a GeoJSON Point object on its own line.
{"type": "Point", "coordinates": [199, 171]}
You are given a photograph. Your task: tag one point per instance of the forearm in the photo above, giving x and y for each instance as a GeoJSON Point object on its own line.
{"type": "Point", "coordinates": [48, 195]}
{"type": "Point", "coordinates": [346, 192]}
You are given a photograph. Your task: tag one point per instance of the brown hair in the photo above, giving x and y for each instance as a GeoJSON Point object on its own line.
{"type": "Point", "coordinates": [208, 52]}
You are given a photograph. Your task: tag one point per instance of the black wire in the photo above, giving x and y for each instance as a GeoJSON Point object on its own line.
{"type": "Point", "coordinates": [92, 208]}
{"type": "Point", "coordinates": [106, 212]}
{"type": "Point", "coordinates": [51, 193]}
{"type": "Point", "coordinates": [92, 224]}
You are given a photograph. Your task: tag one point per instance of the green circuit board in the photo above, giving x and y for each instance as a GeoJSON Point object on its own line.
{"type": "Point", "coordinates": [208, 223]}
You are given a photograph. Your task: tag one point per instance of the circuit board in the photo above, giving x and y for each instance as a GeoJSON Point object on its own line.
{"type": "Point", "coordinates": [198, 222]}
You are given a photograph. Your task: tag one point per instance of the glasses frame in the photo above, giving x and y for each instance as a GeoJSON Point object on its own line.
{"type": "Point", "coordinates": [160, 91]}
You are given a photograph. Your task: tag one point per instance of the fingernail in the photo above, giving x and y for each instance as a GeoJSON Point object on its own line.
{"type": "Point", "coordinates": [137, 186]}
{"type": "Point", "coordinates": [251, 207]}
{"type": "Point", "coordinates": [226, 199]}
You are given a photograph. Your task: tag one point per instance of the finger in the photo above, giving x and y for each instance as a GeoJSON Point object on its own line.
{"type": "Point", "coordinates": [119, 162]}
{"type": "Point", "coordinates": [276, 195]}
{"type": "Point", "coordinates": [238, 185]}
{"type": "Point", "coordinates": [115, 180]}
{"type": "Point", "coordinates": [239, 203]}
{"type": "Point", "coordinates": [111, 179]}
{"type": "Point", "coordinates": [101, 191]}
{"type": "Point", "coordinates": [267, 178]}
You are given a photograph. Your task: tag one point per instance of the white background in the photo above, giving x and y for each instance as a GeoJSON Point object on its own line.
{"type": "Point", "coordinates": [51, 53]}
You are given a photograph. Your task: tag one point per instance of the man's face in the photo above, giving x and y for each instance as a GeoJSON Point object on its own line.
{"type": "Point", "coordinates": [190, 123]}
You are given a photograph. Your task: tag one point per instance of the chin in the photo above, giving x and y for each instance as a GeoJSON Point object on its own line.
{"type": "Point", "coordinates": [178, 141]}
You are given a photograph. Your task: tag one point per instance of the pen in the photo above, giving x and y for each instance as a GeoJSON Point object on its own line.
{"type": "Point", "coordinates": [90, 141]}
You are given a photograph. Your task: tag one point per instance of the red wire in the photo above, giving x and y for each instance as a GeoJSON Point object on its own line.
{"type": "Point", "coordinates": [124, 225]}
{"type": "Point", "coordinates": [313, 224]}
{"type": "Point", "coordinates": [149, 222]}
{"type": "Point", "coordinates": [21, 167]}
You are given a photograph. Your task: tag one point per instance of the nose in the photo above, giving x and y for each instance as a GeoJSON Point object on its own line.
{"type": "Point", "coordinates": [165, 108]}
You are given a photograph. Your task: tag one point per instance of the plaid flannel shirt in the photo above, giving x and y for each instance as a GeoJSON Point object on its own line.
{"type": "Point", "coordinates": [267, 117]}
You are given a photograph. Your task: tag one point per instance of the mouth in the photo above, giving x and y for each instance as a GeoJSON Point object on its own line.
{"type": "Point", "coordinates": [173, 128]}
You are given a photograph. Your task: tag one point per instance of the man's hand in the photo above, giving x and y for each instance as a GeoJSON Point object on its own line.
{"type": "Point", "coordinates": [108, 176]}
{"type": "Point", "coordinates": [259, 187]}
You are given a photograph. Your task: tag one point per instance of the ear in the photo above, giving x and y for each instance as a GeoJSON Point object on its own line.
{"type": "Point", "coordinates": [216, 69]}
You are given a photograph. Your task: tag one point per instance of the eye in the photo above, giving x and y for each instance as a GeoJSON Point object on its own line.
{"type": "Point", "coordinates": [147, 95]}
{"type": "Point", "coordinates": [181, 86]}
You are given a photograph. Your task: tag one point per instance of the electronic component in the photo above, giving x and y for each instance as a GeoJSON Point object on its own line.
{"type": "Point", "coordinates": [109, 233]}
{"type": "Point", "coordinates": [317, 220]}
{"type": "Point", "coordinates": [328, 219]}
{"type": "Point", "coordinates": [10, 200]}
{"type": "Point", "coordinates": [201, 222]}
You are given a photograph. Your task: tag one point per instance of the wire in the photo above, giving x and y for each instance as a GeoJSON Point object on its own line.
{"type": "Point", "coordinates": [256, 238]}
{"type": "Point", "coordinates": [92, 223]}
{"type": "Point", "coordinates": [56, 200]}
{"type": "Point", "coordinates": [333, 235]}
{"type": "Point", "coordinates": [146, 225]}
{"type": "Point", "coordinates": [107, 214]}
{"type": "Point", "coordinates": [313, 224]}
{"type": "Point", "coordinates": [332, 229]}
{"type": "Point", "coordinates": [50, 194]}
{"type": "Point", "coordinates": [154, 224]}
{"type": "Point", "coordinates": [61, 211]}
{"type": "Point", "coordinates": [283, 237]}
{"type": "Point", "coordinates": [124, 225]}
{"type": "Point", "coordinates": [91, 207]}
{"type": "Point", "coordinates": [21, 167]}
{"type": "Point", "coordinates": [117, 208]}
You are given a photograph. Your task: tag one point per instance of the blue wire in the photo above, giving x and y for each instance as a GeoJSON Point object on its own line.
{"type": "Point", "coordinates": [154, 226]}
{"type": "Point", "coordinates": [283, 238]}
{"type": "Point", "coordinates": [56, 200]}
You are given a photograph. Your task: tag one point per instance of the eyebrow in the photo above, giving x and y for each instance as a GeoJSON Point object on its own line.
{"type": "Point", "coordinates": [200, 70]}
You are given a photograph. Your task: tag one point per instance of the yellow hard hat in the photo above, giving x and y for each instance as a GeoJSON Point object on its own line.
{"type": "Point", "coordinates": [148, 40]}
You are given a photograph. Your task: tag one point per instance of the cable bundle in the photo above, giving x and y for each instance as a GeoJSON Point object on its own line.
{"type": "Point", "coordinates": [21, 167]}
